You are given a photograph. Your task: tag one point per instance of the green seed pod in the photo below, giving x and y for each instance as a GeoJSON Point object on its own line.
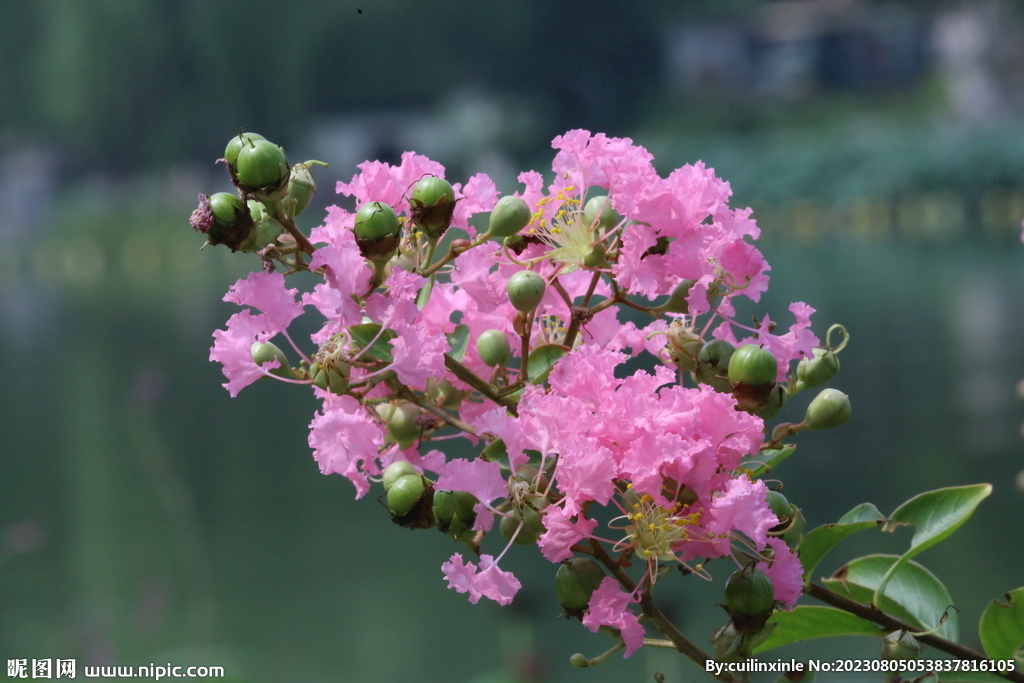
{"type": "Point", "coordinates": [779, 506]}
{"type": "Point", "coordinates": [224, 219]}
{"type": "Point", "coordinates": [754, 365]}
{"type": "Point", "coordinates": [900, 645]}
{"type": "Point", "coordinates": [399, 468]}
{"type": "Point", "coordinates": [776, 401]}
{"type": "Point", "coordinates": [528, 473]}
{"type": "Point", "coordinates": [575, 582]}
{"type": "Point", "coordinates": [713, 365]}
{"type": "Point", "coordinates": [454, 512]}
{"type": "Point", "coordinates": [597, 258]}
{"type": "Point", "coordinates": [510, 215]}
{"type": "Point", "coordinates": [235, 146]}
{"type": "Point", "coordinates": [749, 593]}
{"type": "Point", "coordinates": [813, 372]}
{"type": "Point", "coordinates": [677, 299]}
{"type": "Point", "coordinates": [525, 290]}
{"type": "Point", "coordinates": [493, 347]}
{"type": "Point", "coordinates": [829, 409]}
{"type": "Point", "coordinates": [598, 212]}
{"type": "Point", "coordinates": [433, 202]}
{"type": "Point", "coordinates": [264, 352]}
{"type": "Point", "coordinates": [268, 228]}
{"type": "Point", "coordinates": [263, 169]}
{"type": "Point", "coordinates": [376, 220]}
{"type": "Point", "coordinates": [410, 500]}
{"type": "Point", "coordinates": [533, 526]}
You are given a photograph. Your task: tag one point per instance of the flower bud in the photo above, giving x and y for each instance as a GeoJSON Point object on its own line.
{"type": "Point", "coordinates": [376, 220]}
{"type": "Point", "coordinates": [301, 187]}
{"type": "Point", "coordinates": [579, 661]}
{"type": "Point", "coordinates": [268, 228]}
{"type": "Point", "coordinates": [713, 365]}
{"type": "Point", "coordinates": [900, 645]}
{"type": "Point", "coordinates": [263, 169]}
{"type": "Point", "coordinates": [813, 372]}
{"type": "Point", "coordinates": [598, 213]}
{"type": "Point", "coordinates": [509, 216]}
{"type": "Point", "coordinates": [399, 468]}
{"type": "Point", "coordinates": [264, 352]}
{"type": "Point", "coordinates": [749, 599]}
{"type": "Point", "coordinates": [532, 521]}
{"type": "Point", "coordinates": [444, 393]}
{"type": "Point", "coordinates": [684, 345]}
{"type": "Point", "coordinates": [493, 347]}
{"type": "Point", "coordinates": [829, 409]}
{"type": "Point", "coordinates": [779, 506]}
{"type": "Point", "coordinates": [235, 146]}
{"type": "Point", "coordinates": [410, 500]}
{"type": "Point", "coordinates": [575, 583]}
{"type": "Point", "coordinates": [433, 202]}
{"type": "Point", "coordinates": [525, 290]}
{"type": "Point", "coordinates": [754, 365]}
{"type": "Point", "coordinates": [454, 512]}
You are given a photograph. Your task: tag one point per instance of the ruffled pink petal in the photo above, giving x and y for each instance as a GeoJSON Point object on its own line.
{"type": "Point", "coordinates": [488, 581]}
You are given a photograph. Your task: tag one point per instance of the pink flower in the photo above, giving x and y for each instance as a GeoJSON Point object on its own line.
{"type": "Point", "coordinates": [489, 581]}
{"type": "Point", "coordinates": [380, 182]}
{"type": "Point", "coordinates": [743, 507]}
{"type": "Point", "coordinates": [345, 441]}
{"type": "Point", "coordinates": [562, 532]}
{"type": "Point", "coordinates": [232, 348]}
{"type": "Point", "coordinates": [609, 607]}
{"type": "Point", "coordinates": [266, 292]}
{"type": "Point", "coordinates": [481, 478]}
{"type": "Point", "coordinates": [786, 573]}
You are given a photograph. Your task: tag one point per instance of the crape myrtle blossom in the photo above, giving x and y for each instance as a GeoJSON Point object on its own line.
{"type": "Point", "coordinates": [597, 415]}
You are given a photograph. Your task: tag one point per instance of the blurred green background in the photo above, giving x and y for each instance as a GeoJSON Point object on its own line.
{"type": "Point", "coordinates": [145, 516]}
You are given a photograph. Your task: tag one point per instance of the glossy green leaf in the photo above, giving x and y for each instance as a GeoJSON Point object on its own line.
{"type": "Point", "coordinates": [934, 515]}
{"type": "Point", "coordinates": [914, 594]}
{"type": "Point", "coordinates": [459, 342]}
{"type": "Point", "coordinates": [813, 621]}
{"type": "Point", "coordinates": [496, 451]}
{"type": "Point", "coordinates": [365, 333]}
{"type": "Point", "coordinates": [818, 542]}
{"type": "Point", "coordinates": [770, 458]}
{"type": "Point", "coordinates": [1002, 626]}
{"type": "Point", "coordinates": [542, 359]}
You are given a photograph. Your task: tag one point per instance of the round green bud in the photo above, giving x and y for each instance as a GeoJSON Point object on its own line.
{"type": "Point", "coordinates": [813, 372]}
{"type": "Point", "coordinates": [227, 208]}
{"type": "Point", "coordinates": [533, 526]}
{"type": "Point", "coordinates": [493, 347]}
{"type": "Point", "coordinates": [235, 146]}
{"type": "Point", "coordinates": [264, 352]}
{"type": "Point", "coordinates": [402, 426]}
{"type": "Point", "coordinates": [575, 581]}
{"type": "Point", "coordinates": [598, 212]}
{"type": "Point", "coordinates": [301, 187]}
{"type": "Point", "coordinates": [410, 501]}
{"type": "Point", "coordinates": [754, 365]}
{"type": "Point", "coordinates": [529, 473]}
{"type": "Point", "coordinates": [376, 220]}
{"type": "Point", "coordinates": [404, 494]}
{"type": "Point", "coordinates": [829, 409]}
{"type": "Point", "coordinates": [749, 593]}
{"type": "Point", "coordinates": [713, 365]}
{"type": "Point", "coordinates": [454, 512]}
{"type": "Point", "coordinates": [579, 661]}
{"type": "Point", "coordinates": [525, 290]}
{"type": "Point", "coordinates": [433, 203]}
{"type": "Point", "coordinates": [399, 468]}
{"type": "Point", "coordinates": [262, 165]}
{"type": "Point", "coordinates": [509, 216]}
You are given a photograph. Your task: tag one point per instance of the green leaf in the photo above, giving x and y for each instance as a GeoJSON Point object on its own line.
{"type": "Point", "coordinates": [818, 542]}
{"type": "Point", "coordinates": [459, 342]}
{"type": "Point", "coordinates": [365, 333]}
{"type": "Point", "coordinates": [772, 457]}
{"type": "Point", "coordinates": [424, 294]}
{"type": "Point", "coordinates": [813, 621]}
{"type": "Point", "coordinates": [914, 594]}
{"type": "Point", "coordinates": [934, 515]}
{"type": "Point", "coordinates": [496, 451]}
{"type": "Point", "coordinates": [542, 359]}
{"type": "Point", "coordinates": [1002, 626]}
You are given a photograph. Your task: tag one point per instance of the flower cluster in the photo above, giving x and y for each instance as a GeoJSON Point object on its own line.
{"type": "Point", "coordinates": [520, 339]}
